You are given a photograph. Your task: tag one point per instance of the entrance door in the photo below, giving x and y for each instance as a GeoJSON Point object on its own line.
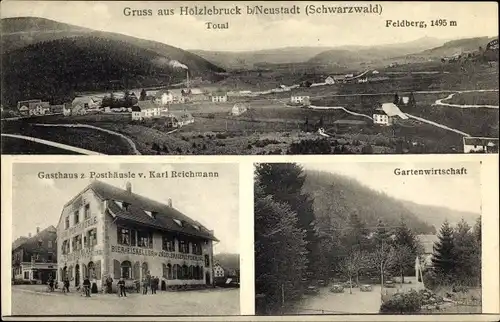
{"type": "Point", "coordinates": [77, 275]}
{"type": "Point", "coordinates": [207, 278]}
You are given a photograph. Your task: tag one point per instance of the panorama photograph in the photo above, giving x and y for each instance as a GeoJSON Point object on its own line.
{"type": "Point", "coordinates": [165, 81]}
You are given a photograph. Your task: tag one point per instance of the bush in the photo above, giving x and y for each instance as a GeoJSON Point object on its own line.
{"type": "Point", "coordinates": [321, 146]}
{"type": "Point", "coordinates": [221, 136]}
{"type": "Point", "coordinates": [402, 303]}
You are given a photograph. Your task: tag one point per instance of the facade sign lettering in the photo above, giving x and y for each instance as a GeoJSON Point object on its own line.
{"type": "Point", "coordinates": [153, 253]}
{"type": "Point", "coordinates": [78, 228]}
{"type": "Point", "coordinates": [82, 253]}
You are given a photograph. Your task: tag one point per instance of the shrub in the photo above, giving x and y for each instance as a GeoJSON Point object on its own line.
{"type": "Point", "coordinates": [312, 146]}
{"type": "Point", "coordinates": [221, 136]}
{"type": "Point", "coordinates": [402, 303]}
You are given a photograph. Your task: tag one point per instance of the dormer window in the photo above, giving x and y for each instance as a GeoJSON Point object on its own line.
{"type": "Point", "coordinates": [151, 214]}
{"type": "Point", "coordinates": [196, 227]}
{"type": "Point", "coordinates": [178, 222]}
{"type": "Point", "coordinates": [119, 203]}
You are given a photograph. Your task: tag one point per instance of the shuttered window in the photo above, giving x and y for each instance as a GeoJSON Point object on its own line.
{"type": "Point", "coordinates": [98, 269]}
{"type": "Point", "coordinates": [116, 269]}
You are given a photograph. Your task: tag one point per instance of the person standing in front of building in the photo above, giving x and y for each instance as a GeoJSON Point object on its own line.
{"type": "Point", "coordinates": [121, 287]}
{"type": "Point", "coordinates": [86, 286]}
{"type": "Point", "coordinates": [109, 284]}
{"type": "Point", "coordinates": [155, 284]}
{"type": "Point", "coordinates": [66, 285]}
{"type": "Point", "coordinates": [144, 286]}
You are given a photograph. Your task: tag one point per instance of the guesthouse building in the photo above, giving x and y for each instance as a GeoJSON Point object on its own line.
{"type": "Point", "coordinates": [387, 113]}
{"type": "Point", "coordinates": [34, 258]}
{"type": "Point", "coordinates": [106, 231]}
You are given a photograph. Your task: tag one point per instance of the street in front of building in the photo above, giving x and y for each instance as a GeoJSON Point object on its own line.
{"type": "Point", "coordinates": [34, 300]}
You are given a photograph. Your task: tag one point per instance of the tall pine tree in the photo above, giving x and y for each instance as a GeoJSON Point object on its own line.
{"type": "Point", "coordinates": [467, 255]}
{"type": "Point", "coordinates": [280, 253]}
{"type": "Point", "coordinates": [404, 238]}
{"type": "Point", "coordinates": [443, 258]}
{"type": "Point", "coordinates": [284, 182]}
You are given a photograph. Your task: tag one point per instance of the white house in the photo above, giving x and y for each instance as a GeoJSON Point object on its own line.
{"type": "Point", "coordinates": [178, 119]}
{"type": "Point", "coordinates": [329, 80]}
{"type": "Point", "coordinates": [219, 97]}
{"type": "Point", "coordinates": [386, 114]}
{"type": "Point", "coordinates": [299, 99]}
{"type": "Point", "coordinates": [136, 113]}
{"type": "Point", "coordinates": [218, 271]}
{"type": "Point", "coordinates": [67, 110]}
{"type": "Point", "coordinates": [164, 97]}
{"type": "Point", "coordinates": [362, 80]}
{"type": "Point", "coordinates": [480, 145]}
{"type": "Point", "coordinates": [149, 109]}
{"type": "Point", "coordinates": [238, 109]}
{"type": "Point", "coordinates": [405, 99]}
{"type": "Point", "coordinates": [86, 102]}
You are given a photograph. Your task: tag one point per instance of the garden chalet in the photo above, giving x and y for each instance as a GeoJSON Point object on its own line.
{"type": "Point", "coordinates": [107, 231]}
{"type": "Point", "coordinates": [387, 113]}
{"type": "Point", "coordinates": [480, 145]}
{"type": "Point", "coordinates": [178, 119]}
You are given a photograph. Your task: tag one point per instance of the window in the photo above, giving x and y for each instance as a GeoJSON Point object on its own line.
{"type": "Point", "coordinates": [91, 238]}
{"type": "Point", "coordinates": [65, 247]}
{"type": "Point", "coordinates": [123, 236]}
{"type": "Point", "coordinates": [49, 257]}
{"type": "Point", "coordinates": [66, 222]}
{"type": "Point", "coordinates": [207, 261]}
{"type": "Point", "coordinates": [26, 275]}
{"type": "Point", "coordinates": [77, 217]}
{"type": "Point", "coordinates": [86, 212]}
{"type": "Point", "coordinates": [196, 227]}
{"type": "Point", "coordinates": [49, 244]}
{"type": "Point", "coordinates": [183, 247]}
{"type": "Point", "coordinates": [178, 222]}
{"type": "Point", "coordinates": [168, 244]}
{"type": "Point", "coordinates": [77, 242]}
{"type": "Point", "coordinates": [197, 248]}
{"type": "Point", "coordinates": [40, 243]}
{"type": "Point", "coordinates": [126, 268]}
{"type": "Point", "coordinates": [145, 239]}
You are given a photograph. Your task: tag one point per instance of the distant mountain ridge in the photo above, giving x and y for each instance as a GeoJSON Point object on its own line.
{"type": "Point", "coordinates": [336, 197]}
{"type": "Point", "coordinates": [228, 260]}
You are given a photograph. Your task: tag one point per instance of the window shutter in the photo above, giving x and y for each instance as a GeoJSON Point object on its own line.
{"type": "Point", "coordinates": [98, 270]}
{"type": "Point", "coordinates": [116, 269]}
{"type": "Point", "coordinates": [85, 270]}
{"type": "Point", "coordinates": [164, 270]}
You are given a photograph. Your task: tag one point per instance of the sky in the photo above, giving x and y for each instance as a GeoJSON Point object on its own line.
{"type": "Point", "coordinates": [214, 202]}
{"type": "Point", "coordinates": [254, 32]}
{"type": "Point", "coordinates": [459, 192]}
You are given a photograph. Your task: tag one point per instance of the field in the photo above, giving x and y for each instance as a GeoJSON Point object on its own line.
{"type": "Point", "coordinates": [20, 146]}
{"type": "Point", "coordinates": [472, 98]}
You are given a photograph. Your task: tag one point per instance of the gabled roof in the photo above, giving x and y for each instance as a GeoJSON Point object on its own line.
{"type": "Point", "coordinates": [138, 205]}
{"type": "Point", "coordinates": [145, 105]}
{"type": "Point", "coordinates": [32, 242]}
{"type": "Point", "coordinates": [136, 109]}
{"type": "Point", "coordinates": [392, 109]}
{"type": "Point", "coordinates": [481, 141]}
{"type": "Point", "coordinates": [84, 100]}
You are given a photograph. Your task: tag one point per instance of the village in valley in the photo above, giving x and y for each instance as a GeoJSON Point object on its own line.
{"type": "Point", "coordinates": [437, 97]}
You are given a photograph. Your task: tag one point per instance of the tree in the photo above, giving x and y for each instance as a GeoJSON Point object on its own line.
{"type": "Point", "coordinates": [477, 231]}
{"type": "Point", "coordinates": [351, 265]}
{"type": "Point", "coordinates": [143, 95]}
{"type": "Point", "coordinates": [382, 258]}
{"type": "Point", "coordinates": [467, 255]}
{"type": "Point", "coordinates": [402, 258]}
{"type": "Point", "coordinates": [381, 236]}
{"type": "Point", "coordinates": [355, 237]}
{"type": "Point", "coordinates": [405, 239]}
{"type": "Point", "coordinates": [396, 99]}
{"type": "Point", "coordinates": [443, 259]}
{"type": "Point", "coordinates": [411, 101]}
{"type": "Point", "coordinates": [284, 182]}
{"type": "Point", "coordinates": [280, 252]}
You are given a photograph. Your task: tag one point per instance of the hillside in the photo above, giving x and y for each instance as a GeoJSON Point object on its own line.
{"type": "Point", "coordinates": [228, 260]}
{"type": "Point", "coordinates": [435, 215]}
{"type": "Point", "coordinates": [249, 59]}
{"type": "Point", "coordinates": [58, 59]}
{"type": "Point", "coordinates": [336, 197]}
{"type": "Point", "coordinates": [453, 47]}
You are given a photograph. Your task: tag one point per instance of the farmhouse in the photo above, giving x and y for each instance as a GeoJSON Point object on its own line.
{"type": "Point", "coordinates": [480, 145]}
{"type": "Point", "coordinates": [329, 80]}
{"type": "Point", "coordinates": [33, 107]}
{"type": "Point", "coordinates": [219, 97]}
{"type": "Point", "coordinates": [238, 109]}
{"type": "Point", "coordinates": [386, 114]}
{"type": "Point", "coordinates": [164, 97]}
{"type": "Point", "coordinates": [178, 119]}
{"type": "Point", "coordinates": [299, 99]}
{"type": "Point", "coordinates": [149, 109]}
{"type": "Point", "coordinates": [107, 231]}
{"type": "Point", "coordinates": [85, 103]}
{"type": "Point", "coordinates": [34, 259]}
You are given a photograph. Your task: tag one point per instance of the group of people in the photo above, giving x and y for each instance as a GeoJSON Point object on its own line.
{"type": "Point", "coordinates": [151, 282]}
{"type": "Point", "coordinates": [52, 284]}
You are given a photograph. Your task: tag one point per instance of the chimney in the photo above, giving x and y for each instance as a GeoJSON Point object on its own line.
{"type": "Point", "coordinates": [37, 230]}
{"type": "Point", "coordinates": [29, 235]}
{"type": "Point", "coordinates": [170, 202]}
{"type": "Point", "coordinates": [128, 186]}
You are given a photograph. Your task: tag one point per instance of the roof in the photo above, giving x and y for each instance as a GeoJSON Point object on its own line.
{"type": "Point", "coordinates": [392, 109]}
{"type": "Point", "coordinates": [138, 204]}
{"type": "Point", "coordinates": [427, 242]}
{"type": "Point", "coordinates": [240, 105]}
{"type": "Point", "coordinates": [136, 109]}
{"type": "Point", "coordinates": [32, 242]}
{"type": "Point", "coordinates": [145, 105]}
{"type": "Point", "coordinates": [84, 99]}
{"type": "Point", "coordinates": [480, 141]}
{"type": "Point", "coordinates": [181, 115]}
